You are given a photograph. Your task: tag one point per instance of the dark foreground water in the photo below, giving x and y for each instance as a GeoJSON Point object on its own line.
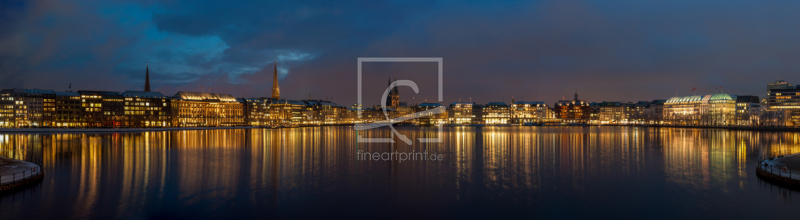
{"type": "Point", "coordinates": [491, 172]}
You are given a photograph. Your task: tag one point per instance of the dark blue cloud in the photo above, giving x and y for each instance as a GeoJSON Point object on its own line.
{"type": "Point", "coordinates": [537, 50]}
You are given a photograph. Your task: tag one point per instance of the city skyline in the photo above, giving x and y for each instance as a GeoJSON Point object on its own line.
{"type": "Point", "coordinates": [613, 51]}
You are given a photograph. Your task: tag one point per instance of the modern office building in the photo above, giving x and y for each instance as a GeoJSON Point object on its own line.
{"type": "Point", "coordinates": [784, 96]}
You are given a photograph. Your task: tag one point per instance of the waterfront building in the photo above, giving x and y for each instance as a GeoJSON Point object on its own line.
{"type": "Point", "coordinates": [325, 112]}
{"type": "Point", "coordinates": [683, 110]}
{"type": "Point", "coordinates": [35, 100]}
{"type": "Point", "coordinates": [48, 108]}
{"type": "Point", "coordinates": [496, 113]}
{"type": "Point", "coordinates": [431, 118]}
{"type": "Point", "coordinates": [477, 112]}
{"type": "Point", "coordinates": [774, 117]}
{"type": "Point", "coordinates": [784, 96]}
{"type": "Point", "coordinates": [637, 112]}
{"type": "Point", "coordinates": [747, 110]}
{"type": "Point", "coordinates": [614, 112]}
{"type": "Point", "coordinates": [197, 109]}
{"type": "Point", "coordinates": [572, 111]}
{"type": "Point", "coordinates": [26, 107]}
{"type": "Point", "coordinates": [91, 108]}
{"type": "Point", "coordinates": [528, 112]}
{"type": "Point", "coordinates": [722, 110]}
{"type": "Point", "coordinates": [373, 115]}
{"type": "Point", "coordinates": [403, 110]}
{"type": "Point", "coordinates": [68, 112]}
{"type": "Point", "coordinates": [287, 112]}
{"type": "Point", "coordinates": [461, 113]}
{"type": "Point", "coordinates": [14, 111]}
{"type": "Point", "coordinates": [143, 109]}
{"type": "Point", "coordinates": [708, 110]}
{"type": "Point", "coordinates": [654, 113]}
{"type": "Point", "coordinates": [594, 113]}
{"type": "Point", "coordinates": [255, 111]}
{"type": "Point", "coordinates": [101, 108]}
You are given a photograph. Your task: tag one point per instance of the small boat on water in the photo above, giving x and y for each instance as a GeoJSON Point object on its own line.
{"type": "Point", "coordinates": [577, 124]}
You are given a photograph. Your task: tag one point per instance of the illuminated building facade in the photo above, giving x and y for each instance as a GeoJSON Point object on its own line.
{"type": "Point", "coordinates": [325, 112]}
{"type": "Point", "coordinates": [143, 109]}
{"type": "Point", "coordinates": [683, 110]}
{"type": "Point", "coordinates": [784, 96]}
{"type": "Point", "coordinates": [528, 112]}
{"type": "Point", "coordinates": [614, 112]}
{"type": "Point", "coordinates": [92, 108]}
{"type": "Point", "coordinates": [255, 111]}
{"type": "Point", "coordinates": [721, 110]}
{"type": "Point", "coordinates": [35, 100]}
{"type": "Point", "coordinates": [708, 110]}
{"type": "Point", "coordinates": [197, 109]}
{"type": "Point", "coordinates": [26, 107]}
{"type": "Point", "coordinates": [68, 110]}
{"type": "Point", "coordinates": [461, 113]}
{"type": "Point", "coordinates": [637, 112]}
{"type": "Point", "coordinates": [496, 113]}
{"type": "Point", "coordinates": [10, 105]}
{"type": "Point", "coordinates": [748, 110]}
{"type": "Point", "coordinates": [431, 118]}
{"type": "Point", "coordinates": [654, 113]}
{"type": "Point", "coordinates": [572, 111]}
{"type": "Point", "coordinates": [48, 108]}
{"type": "Point", "coordinates": [287, 112]}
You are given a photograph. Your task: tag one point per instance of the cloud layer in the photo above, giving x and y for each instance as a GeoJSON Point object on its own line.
{"type": "Point", "coordinates": [535, 51]}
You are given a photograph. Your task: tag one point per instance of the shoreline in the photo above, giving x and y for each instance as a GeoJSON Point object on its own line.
{"type": "Point", "coordinates": [120, 130]}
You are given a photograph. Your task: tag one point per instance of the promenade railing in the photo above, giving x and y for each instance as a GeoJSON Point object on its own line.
{"type": "Point", "coordinates": [775, 170]}
{"type": "Point", "coordinates": [20, 176]}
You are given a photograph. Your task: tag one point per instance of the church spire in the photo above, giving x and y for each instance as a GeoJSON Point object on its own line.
{"type": "Point", "coordinates": [147, 78]}
{"type": "Point", "coordinates": [276, 91]}
{"type": "Point", "coordinates": [576, 95]}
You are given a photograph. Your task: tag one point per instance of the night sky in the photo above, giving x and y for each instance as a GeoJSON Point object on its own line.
{"type": "Point", "coordinates": [532, 50]}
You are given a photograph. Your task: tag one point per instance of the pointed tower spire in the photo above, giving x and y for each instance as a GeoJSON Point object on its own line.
{"type": "Point", "coordinates": [276, 91]}
{"type": "Point", "coordinates": [576, 95]}
{"type": "Point", "coordinates": [147, 78]}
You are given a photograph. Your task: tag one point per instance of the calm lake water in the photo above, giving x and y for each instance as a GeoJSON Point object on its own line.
{"type": "Point", "coordinates": [489, 172]}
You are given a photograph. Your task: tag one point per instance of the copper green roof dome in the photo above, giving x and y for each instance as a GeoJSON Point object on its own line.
{"type": "Point", "coordinates": [722, 97]}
